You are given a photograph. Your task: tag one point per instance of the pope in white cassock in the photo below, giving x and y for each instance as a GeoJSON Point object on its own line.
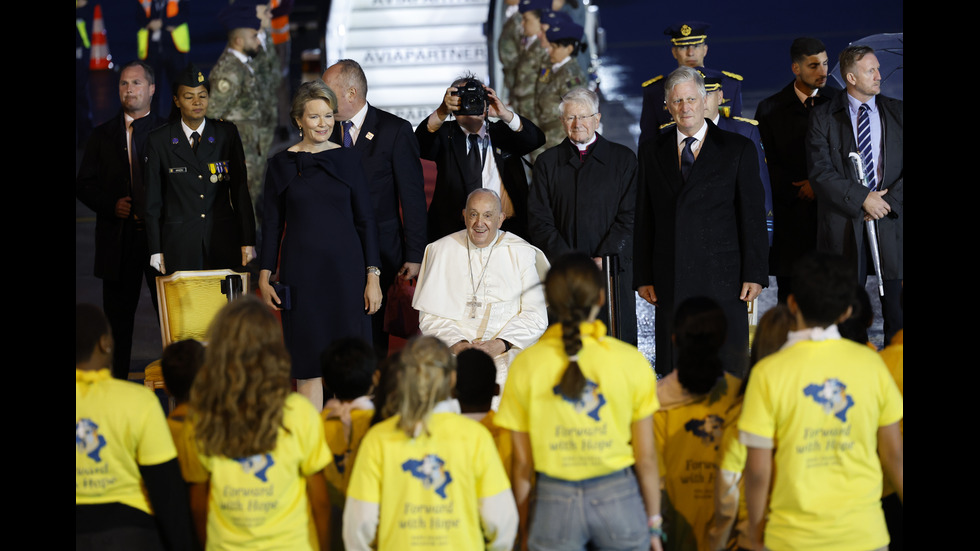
{"type": "Point", "coordinates": [481, 287]}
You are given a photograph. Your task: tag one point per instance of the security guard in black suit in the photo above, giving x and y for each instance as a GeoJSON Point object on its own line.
{"type": "Point", "coordinates": [199, 214]}
{"type": "Point", "coordinates": [110, 182]}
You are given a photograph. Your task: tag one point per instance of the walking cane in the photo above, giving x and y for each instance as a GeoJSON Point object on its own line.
{"type": "Point", "coordinates": [870, 225]}
{"type": "Point", "coordinates": [610, 269]}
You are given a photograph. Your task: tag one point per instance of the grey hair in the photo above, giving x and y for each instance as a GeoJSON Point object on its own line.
{"type": "Point", "coordinates": [683, 74]}
{"type": "Point", "coordinates": [496, 197]}
{"type": "Point", "coordinates": [580, 95]}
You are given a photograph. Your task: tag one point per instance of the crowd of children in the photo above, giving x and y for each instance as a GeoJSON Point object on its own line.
{"type": "Point", "coordinates": [588, 450]}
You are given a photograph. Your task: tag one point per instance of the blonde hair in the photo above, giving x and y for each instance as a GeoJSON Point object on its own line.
{"type": "Point", "coordinates": [424, 380]}
{"type": "Point", "coordinates": [310, 91]}
{"type": "Point", "coordinates": [240, 391]}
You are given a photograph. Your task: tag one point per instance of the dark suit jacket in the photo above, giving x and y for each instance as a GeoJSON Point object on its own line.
{"type": "Point", "coordinates": [198, 224]}
{"type": "Point", "coordinates": [390, 155]}
{"type": "Point", "coordinates": [703, 237]}
{"type": "Point", "coordinates": [104, 178]}
{"type": "Point", "coordinates": [783, 121]}
{"type": "Point", "coordinates": [588, 208]}
{"type": "Point", "coordinates": [840, 226]}
{"type": "Point", "coordinates": [447, 147]}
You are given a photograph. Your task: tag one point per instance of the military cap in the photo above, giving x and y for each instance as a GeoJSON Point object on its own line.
{"type": "Point", "coordinates": [531, 5]}
{"type": "Point", "coordinates": [560, 25]}
{"type": "Point", "coordinates": [239, 15]}
{"type": "Point", "coordinates": [687, 33]}
{"type": "Point", "coordinates": [192, 77]}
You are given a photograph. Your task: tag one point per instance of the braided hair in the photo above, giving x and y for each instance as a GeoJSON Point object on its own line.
{"type": "Point", "coordinates": [573, 288]}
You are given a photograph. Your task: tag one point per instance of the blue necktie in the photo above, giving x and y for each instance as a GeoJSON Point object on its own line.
{"type": "Point", "coordinates": [687, 157]}
{"type": "Point", "coordinates": [348, 139]}
{"type": "Point", "coordinates": [864, 144]}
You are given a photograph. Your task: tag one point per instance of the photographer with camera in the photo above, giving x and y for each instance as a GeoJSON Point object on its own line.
{"type": "Point", "coordinates": [462, 149]}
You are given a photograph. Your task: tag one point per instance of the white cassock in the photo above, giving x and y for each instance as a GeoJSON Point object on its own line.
{"type": "Point", "coordinates": [509, 301]}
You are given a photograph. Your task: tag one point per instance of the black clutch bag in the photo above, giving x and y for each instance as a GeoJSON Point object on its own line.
{"type": "Point", "coordinates": [282, 291]}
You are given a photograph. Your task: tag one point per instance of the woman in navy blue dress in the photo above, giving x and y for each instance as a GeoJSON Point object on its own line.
{"type": "Point", "coordinates": [318, 223]}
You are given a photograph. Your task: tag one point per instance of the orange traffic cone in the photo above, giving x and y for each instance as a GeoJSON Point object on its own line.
{"type": "Point", "coordinates": [100, 59]}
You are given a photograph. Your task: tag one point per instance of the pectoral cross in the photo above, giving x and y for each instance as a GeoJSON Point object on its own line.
{"type": "Point", "coordinates": [473, 305]}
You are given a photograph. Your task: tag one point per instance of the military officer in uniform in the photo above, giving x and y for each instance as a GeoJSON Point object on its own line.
{"type": "Point", "coordinates": [563, 74]}
{"type": "Point", "coordinates": [198, 212]}
{"type": "Point", "coordinates": [243, 93]}
{"type": "Point", "coordinates": [689, 47]}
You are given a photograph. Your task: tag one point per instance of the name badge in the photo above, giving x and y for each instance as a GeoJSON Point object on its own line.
{"type": "Point", "coordinates": [176, 170]}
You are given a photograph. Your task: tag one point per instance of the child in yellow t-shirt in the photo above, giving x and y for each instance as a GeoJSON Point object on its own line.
{"type": "Point", "coordinates": [260, 446]}
{"type": "Point", "coordinates": [820, 421]}
{"type": "Point", "coordinates": [428, 478]}
{"type": "Point", "coordinates": [350, 371]}
{"type": "Point", "coordinates": [696, 405]}
{"type": "Point", "coordinates": [179, 363]}
{"type": "Point", "coordinates": [475, 388]}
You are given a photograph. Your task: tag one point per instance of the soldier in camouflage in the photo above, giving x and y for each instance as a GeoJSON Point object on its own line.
{"type": "Point", "coordinates": [563, 74]}
{"type": "Point", "coordinates": [242, 92]}
{"type": "Point", "coordinates": [534, 55]}
{"type": "Point", "coordinates": [509, 44]}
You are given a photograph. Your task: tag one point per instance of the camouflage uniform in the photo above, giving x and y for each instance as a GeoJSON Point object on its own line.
{"type": "Point", "coordinates": [509, 50]}
{"type": "Point", "coordinates": [268, 76]}
{"type": "Point", "coordinates": [551, 87]}
{"type": "Point", "coordinates": [529, 66]}
{"type": "Point", "coordinates": [239, 96]}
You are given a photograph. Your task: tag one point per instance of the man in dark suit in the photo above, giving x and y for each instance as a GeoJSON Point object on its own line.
{"type": "Point", "coordinates": [700, 221]}
{"type": "Point", "coordinates": [390, 154]}
{"type": "Point", "coordinates": [864, 122]}
{"type": "Point", "coordinates": [110, 182]}
{"type": "Point", "coordinates": [459, 149]}
{"type": "Point", "coordinates": [198, 211]}
{"type": "Point", "coordinates": [783, 119]}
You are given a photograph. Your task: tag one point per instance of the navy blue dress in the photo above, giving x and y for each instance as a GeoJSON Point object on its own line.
{"type": "Point", "coordinates": [318, 214]}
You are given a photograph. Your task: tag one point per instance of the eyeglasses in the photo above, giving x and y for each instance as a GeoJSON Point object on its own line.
{"type": "Point", "coordinates": [573, 118]}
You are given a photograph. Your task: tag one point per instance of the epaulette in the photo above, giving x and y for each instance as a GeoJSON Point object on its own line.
{"type": "Point", "coordinates": [750, 121]}
{"type": "Point", "coordinates": [667, 125]}
{"type": "Point", "coordinates": [651, 81]}
{"type": "Point", "coordinates": [732, 75]}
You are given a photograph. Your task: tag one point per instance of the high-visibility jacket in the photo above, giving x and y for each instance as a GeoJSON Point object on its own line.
{"type": "Point", "coordinates": [180, 35]}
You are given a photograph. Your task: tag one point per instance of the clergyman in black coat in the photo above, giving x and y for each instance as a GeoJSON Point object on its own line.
{"type": "Point", "coordinates": [582, 199]}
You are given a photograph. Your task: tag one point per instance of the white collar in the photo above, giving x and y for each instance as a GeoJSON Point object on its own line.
{"type": "Point", "coordinates": [188, 130]}
{"type": "Point", "coordinates": [555, 66]}
{"type": "Point", "coordinates": [241, 57]}
{"type": "Point", "coordinates": [812, 334]}
{"type": "Point", "coordinates": [584, 146]}
{"type": "Point", "coordinates": [358, 118]}
{"type": "Point", "coordinates": [699, 135]}
{"type": "Point", "coordinates": [482, 133]}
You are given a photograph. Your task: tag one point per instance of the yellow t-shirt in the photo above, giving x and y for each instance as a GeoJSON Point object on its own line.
{"type": "Point", "coordinates": [501, 437]}
{"type": "Point", "coordinates": [118, 427]}
{"type": "Point", "coordinates": [338, 472]}
{"type": "Point", "coordinates": [591, 436]}
{"type": "Point", "coordinates": [688, 439]}
{"type": "Point", "coordinates": [894, 357]}
{"type": "Point", "coordinates": [260, 502]}
{"type": "Point", "coordinates": [821, 403]}
{"type": "Point", "coordinates": [428, 487]}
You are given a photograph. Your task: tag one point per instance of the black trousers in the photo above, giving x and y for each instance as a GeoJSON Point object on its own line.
{"type": "Point", "coordinates": [120, 297]}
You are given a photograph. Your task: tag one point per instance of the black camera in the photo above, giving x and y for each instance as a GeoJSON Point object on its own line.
{"type": "Point", "coordinates": [472, 97]}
